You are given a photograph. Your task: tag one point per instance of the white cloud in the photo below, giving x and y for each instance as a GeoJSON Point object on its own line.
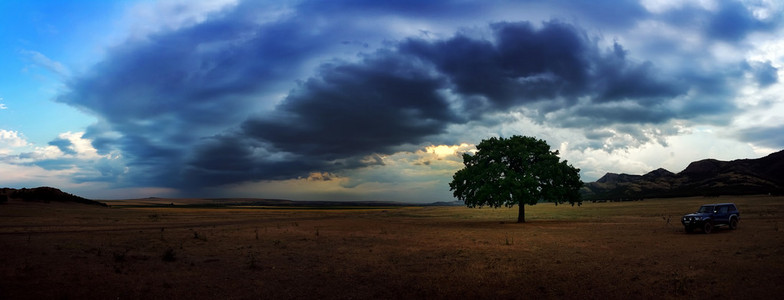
{"type": "Point", "coordinates": [82, 147]}
{"type": "Point", "coordinates": [15, 175]}
{"type": "Point", "coordinates": [70, 151]}
{"type": "Point", "coordinates": [42, 153]}
{"type": "Point", "coordinates": [692, 144]}
{"type": "Point", "coordinates": [2, 105]}
{"type": "Point", "coordinates": [45, 62]}
{"type": "Point", "coordinates": [763, 105]}
{"type": "Point", "coordinates": [15, 171]}
{"type": "Point", "coordinates": [69, 162]}
{"type": "Point", "coordinates": [9, 140]}
{"type": "Point", "coordinates": [76, 147]}
{"type": "Point", "coordinates": [765, 9]}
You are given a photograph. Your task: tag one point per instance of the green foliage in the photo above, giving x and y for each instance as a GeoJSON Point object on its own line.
{"type": "Point", "coordinates": [515, 171]}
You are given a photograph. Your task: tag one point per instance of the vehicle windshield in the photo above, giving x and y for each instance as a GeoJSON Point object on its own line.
{"type": "Point", "coordinates": [706, 209]}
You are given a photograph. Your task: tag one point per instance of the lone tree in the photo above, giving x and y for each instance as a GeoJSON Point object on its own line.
{"type": "Point", "coordinates": [515, 171]}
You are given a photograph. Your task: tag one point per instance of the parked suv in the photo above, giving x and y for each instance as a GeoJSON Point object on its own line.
{"type": "Point", "coordinates": [710, 215]}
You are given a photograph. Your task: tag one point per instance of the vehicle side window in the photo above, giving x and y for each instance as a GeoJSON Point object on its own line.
{"type": "Point", "coordinates": [733, 208]}
{"type": "Point", "coordinates": [723, 209]}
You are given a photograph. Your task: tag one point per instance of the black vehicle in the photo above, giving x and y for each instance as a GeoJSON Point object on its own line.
{"type": "Point", "coordinates": [711, 215]}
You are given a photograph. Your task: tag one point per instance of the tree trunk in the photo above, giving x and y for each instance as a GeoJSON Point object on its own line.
{"type": "Point", "coordinates": [521, 213]}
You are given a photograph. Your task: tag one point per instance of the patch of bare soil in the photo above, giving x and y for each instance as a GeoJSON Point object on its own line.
{"type": "Point", "coordinates": [601, 250]}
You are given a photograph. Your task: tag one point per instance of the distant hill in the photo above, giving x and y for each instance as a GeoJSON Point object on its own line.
{"type": "Point", "coordinates": [708, 177]}
{"type": "Point", "coordinates": [43, 194]}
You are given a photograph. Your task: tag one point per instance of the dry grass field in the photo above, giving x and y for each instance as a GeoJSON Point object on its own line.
{"type": "Point", "coordinates": [599, 250]}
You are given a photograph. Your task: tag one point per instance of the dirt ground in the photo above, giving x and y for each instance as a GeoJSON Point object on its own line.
{"type": "Point", "coordinates": [599, 250]}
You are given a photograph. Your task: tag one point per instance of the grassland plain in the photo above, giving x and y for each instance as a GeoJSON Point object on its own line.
{"type": "Point", "coordinates": [598, 250]}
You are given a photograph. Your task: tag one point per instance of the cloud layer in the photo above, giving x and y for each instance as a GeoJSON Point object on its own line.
{"type": "Point", "coordinates": [251, 92]}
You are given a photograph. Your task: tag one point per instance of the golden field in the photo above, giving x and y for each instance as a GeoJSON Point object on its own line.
{"type": "Point", "coordinates": [595, 251]}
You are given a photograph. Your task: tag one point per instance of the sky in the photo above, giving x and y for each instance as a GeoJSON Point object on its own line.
{"type": "Point", "coordinates": [374, 100]}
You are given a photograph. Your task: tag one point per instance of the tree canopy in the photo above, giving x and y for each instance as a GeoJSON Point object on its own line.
{"type": "Point", "coordinates": [515, 171]}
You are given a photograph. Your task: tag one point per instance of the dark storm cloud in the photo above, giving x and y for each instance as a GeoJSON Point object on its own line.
{"type": "Point", "coordinates": [622, 113]}
{"type": "Point", "coordinates": [523, 65]}
{"type": "Point", "coordinates": [617, 78]}
{"type": "Point", "coordinates": [198, 106]}
{"type": "Point", "coordinates": [65, 145]}
{"type": "Point", "coordinates": [614, 13]}
{"type": "Point", "coordinates": [733, 22]}
{"type": "Point", "coordinates": [548, 68]}
{"type": "Point", "coordinates": [764, 136]}
{"type": "Point", "coordinates": [350, 111]}
{"type": "Point", "coordinates": [231, 158]}
{"type": "Point", "coordinates": [234, 158]}
{"type": "Point", "coordinates": [375, 105]}
{"type": "Point", "coordinates": [410, 8]}
{"type": "Point", "coordinates": [187, 71]}
{"type": "Point", "coordinates": [765, 73]}
{"type": "Point", "coordinates": [157, 96]}
{"type": "Point", "coordinates": [337, 120]}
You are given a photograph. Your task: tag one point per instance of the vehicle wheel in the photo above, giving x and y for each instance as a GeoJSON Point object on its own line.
{"type": "Point", "coordinates": [734, 223]}
{"type": "Point", "coordinates": [707, 227]}
{"type": "Point", "coordinates": [689, 229]}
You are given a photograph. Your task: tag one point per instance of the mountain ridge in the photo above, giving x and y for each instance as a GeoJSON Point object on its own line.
{"type": "Point", "coordinates": [706, 177]}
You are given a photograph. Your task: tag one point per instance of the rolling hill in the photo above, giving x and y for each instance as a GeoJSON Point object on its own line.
{"type": "Point", "coordinates": [43, 194]}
